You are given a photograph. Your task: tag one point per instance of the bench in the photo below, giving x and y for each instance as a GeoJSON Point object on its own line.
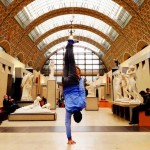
{"type": "Point", "coordinates": [144, 118]}
{"type": "Point", "coordinates": [32, 116]}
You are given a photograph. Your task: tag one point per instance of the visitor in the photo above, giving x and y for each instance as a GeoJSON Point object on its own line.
{"type": "Point", "coordinates": [142, 107]}
{"type": "Point", "coordinates": [73, 90]}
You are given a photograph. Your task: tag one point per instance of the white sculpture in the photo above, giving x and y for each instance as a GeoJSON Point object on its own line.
{"type": "Point", "coordinates": [91, 89]}
{"type": "Point", "coordinates": [27, 87]}
{"type": "Point", "coordinates": [52, 68]}
{"type": "Point", "coordinates": [132, 88]}
{"type": "Point", "coordinates": [98, 81]}
{"type": "Point", "coordinates": [48, 106]}
{"type": "Point", "coordinates": [117, 85]}
{"type": "Point", "coordinates": [35, 107]}
{"type": "Point", "coordinates": [124, 84]}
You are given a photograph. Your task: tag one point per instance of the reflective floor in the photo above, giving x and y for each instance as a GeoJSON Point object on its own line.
{"type": "Point", "coordinates": [98, 130]}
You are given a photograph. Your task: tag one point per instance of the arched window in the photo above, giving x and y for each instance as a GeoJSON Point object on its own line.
{"type": "Point", "coordinates": [141, 45]}
{"type": "Point", "coordinates": [126, 56]}
{"type": "Point", "coordinates": [89, 63]}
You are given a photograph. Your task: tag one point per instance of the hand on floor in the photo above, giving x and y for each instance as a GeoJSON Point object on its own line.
{"type": "Point", "coordinates": [71, 142]}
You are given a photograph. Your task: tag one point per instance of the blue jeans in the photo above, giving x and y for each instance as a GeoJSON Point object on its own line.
{"type": "Point", "coordinates": [68, 124]}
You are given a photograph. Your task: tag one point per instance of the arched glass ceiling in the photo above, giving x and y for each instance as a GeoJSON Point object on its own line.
{"type": "Point", "coordinates": [7, 2]}
{"type": "Point", "coordinates": [77, 19]}
{"type": "Point", "coordinates": [40, 7]}
{"type": "Point", "coordinates": [77, 32]}
{"type": "Point", "coordinates": [77, 50]}
{"type": "Point", "coordinates": [89, 63]}
{"type": "Point", "coordinates": [138, 2]}
{"type": "Point", "coordinates": [62, 45]}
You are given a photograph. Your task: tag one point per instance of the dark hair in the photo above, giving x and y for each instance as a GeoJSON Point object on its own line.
{"type": "Point", "coordinates": [147, 89]}
{"type": "Point", "coordinates": [77, 116]}
{"type": "Point", "coordinates": [142, 93]}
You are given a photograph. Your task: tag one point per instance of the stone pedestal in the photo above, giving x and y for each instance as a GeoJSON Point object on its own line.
{"type": "Point", "coordinates": [51, 93]}
{"type": "Point", "coordinates": [34, 91]}
{"type": "Point", "coordinates": [92, 103]}
{"type": "Point", "coordinates": [43, 91]}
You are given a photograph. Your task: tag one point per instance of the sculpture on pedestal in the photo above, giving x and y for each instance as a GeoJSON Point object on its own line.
{"type": "Point", "coordinates": [35, 107]}
{"type": "Point", "coordinates": [117, 85]}
{"type": "Point", "coordinates": [52, 68]}
{"type": "Point", "coordinates": [91, 89]}
{"type": "Point", "coordinates": [124, 84]}
{"type": "Point", "coordinates": [26, 85]}
{"type": "Point", "coordinates": [132, 88]}
{"type": "Point", "coordinates": [98, 80]}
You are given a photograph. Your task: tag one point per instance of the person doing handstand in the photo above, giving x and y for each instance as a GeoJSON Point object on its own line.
{"type": "Point", "coordinates": [73, 90]}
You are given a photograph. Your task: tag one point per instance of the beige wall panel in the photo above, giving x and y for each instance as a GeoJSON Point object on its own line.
{"type": "Point", "coordinates": [51, 93]}
{"type": "Point", "coordinates": [11, 61]}
{"type": "Point", "coordinates": [144, 54]}
{"type": "Point", "coordinates": [143, 76]}
{"type": "Point", "coordinates": [3, 84]}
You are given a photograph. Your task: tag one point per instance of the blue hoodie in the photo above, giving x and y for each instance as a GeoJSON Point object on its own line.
{"type": "Point", "coordinates": [75, 99]}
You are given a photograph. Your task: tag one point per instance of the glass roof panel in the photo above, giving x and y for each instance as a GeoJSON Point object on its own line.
{"type": "Point", "coordinates": [107, 7]}
{"type": "Point", "coordinates": [77, 19]}
{"type": "Point", "coordinates": [77, 32]}
{"type": "Point", "coordinates": [78, 51]}
{"type": "Point", "coordinates": [7, 2]}
{"type": "Point", "coordinates": [138, 2]}
{"type": "Point", "coordinates": [87, 46]}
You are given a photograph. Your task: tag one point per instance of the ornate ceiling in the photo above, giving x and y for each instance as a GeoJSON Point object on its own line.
{"type": "Point", "coordinates": [106, 27]}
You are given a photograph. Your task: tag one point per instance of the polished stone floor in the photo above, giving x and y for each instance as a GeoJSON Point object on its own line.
{"type": "Point", "coordinates": [98, 130]}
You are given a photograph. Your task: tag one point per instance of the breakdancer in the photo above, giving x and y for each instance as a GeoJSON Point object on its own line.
{"type": "Point", "coordinates": [73, 90]}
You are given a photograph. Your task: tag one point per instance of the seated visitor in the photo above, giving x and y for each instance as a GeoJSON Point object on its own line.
{"type": "Point", "coordinates": [9, 104]}
{"type": "Point", "coordinates": [6, 103]}
{"type": "Point", "coordinates": [142, 107]}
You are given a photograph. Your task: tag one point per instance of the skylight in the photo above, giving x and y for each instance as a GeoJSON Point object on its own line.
{"type": "Point", "coordinates": [7, 2]}
{"type": "Point", "coordinates": [78, 32]}
{"type": "Point", "coordinates": [77, 19]}
{"type": "Point", "coordinates": [138, 2]}
{"type": "Point", "coordinates": [107, 7]}
{"type": "Point", "coordinates": [62, 45]}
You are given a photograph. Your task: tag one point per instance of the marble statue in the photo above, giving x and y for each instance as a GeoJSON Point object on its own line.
{"type": "Point", "coordinates": [124, 84]}
{"type": "Point", "coordinates": [26, 85]}
{"type": "Point", "coordinates": [91, 88]}
{"type": "Point", "coordinates": [132, 88]}
{"type": "Point", "coordinates": [98, 81]}
{"type": "Point", "coordinates": [35, 107]}
{"type": "Point", "coordinates": [52, 68]}
{"type": "Point", "coordinates": [117, 85]}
